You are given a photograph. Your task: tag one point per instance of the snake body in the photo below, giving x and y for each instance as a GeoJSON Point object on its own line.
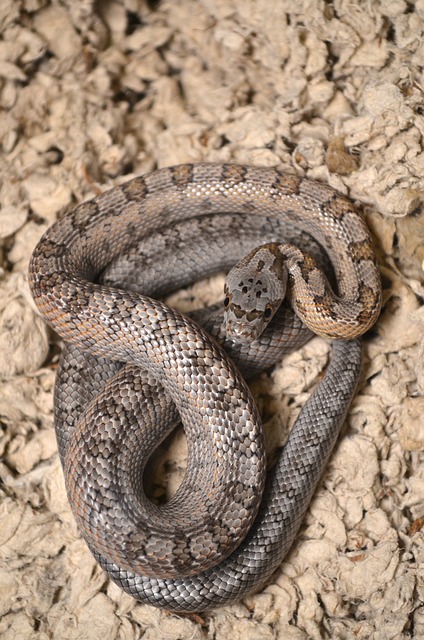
{"type": "Point", "coordinates": [133, 367]}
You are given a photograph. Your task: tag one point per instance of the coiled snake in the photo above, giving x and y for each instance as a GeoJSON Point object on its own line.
{"type": "Point", "coordinates": [133, 367]}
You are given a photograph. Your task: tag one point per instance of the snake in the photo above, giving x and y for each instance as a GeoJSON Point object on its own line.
{"type": "Point", "coordinates": [300, 260]}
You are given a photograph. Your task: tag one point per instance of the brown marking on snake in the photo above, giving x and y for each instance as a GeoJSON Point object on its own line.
{"type": "Point", "coordinates": [239, 313]}
{"type": "Point", "coordinates": [52, 248]}
{"type": "Point", "coordinates": [361, 250]}
{"type": "Point", "coordinates": [182, 175]}
{"type": "Point", "coordinates": [337, 206]}
{"type": "Point", "coordinates": [82, 214]}
{"type": "Point", "coordinates": [370, 300]}
{"type": "Point", "coordinates": [308, 265]}
{"type": "Point", "coordinates": [234, 173]}
{"type": "Point", "coordinates": [252, 315]}
{"type": "Point", "coordinates": [136, 189]}
{"type": "Point", "coordinates": [287, 184]}
{"type": "Point", "coordinates": [324, 306]}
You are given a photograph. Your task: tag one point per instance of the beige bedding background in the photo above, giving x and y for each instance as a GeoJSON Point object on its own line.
{"type": "Point", "coordinates": [93, 93]}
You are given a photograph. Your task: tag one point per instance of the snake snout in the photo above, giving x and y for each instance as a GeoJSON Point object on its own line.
{"type": "Point", "coordinates": [240, 331]}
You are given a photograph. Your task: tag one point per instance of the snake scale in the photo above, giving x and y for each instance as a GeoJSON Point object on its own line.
{"type": "Point", "coordinates": [133, 367]}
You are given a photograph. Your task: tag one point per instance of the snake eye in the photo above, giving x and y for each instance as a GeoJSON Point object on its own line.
{"type": "Point", "coordinates": [226, 301]}
{"type": "Point", "coordinates": [267, 313]}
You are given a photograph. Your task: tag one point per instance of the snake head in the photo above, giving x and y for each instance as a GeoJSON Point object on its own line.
{"type": "Point", "coordinates": [254, 289]}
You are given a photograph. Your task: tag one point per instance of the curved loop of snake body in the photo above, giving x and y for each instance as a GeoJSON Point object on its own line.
{"type": "Point", "coordinates": [154, 234]}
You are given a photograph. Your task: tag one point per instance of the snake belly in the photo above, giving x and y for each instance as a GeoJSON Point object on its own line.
{"type": "Point", "coordinates": [215, 541]}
